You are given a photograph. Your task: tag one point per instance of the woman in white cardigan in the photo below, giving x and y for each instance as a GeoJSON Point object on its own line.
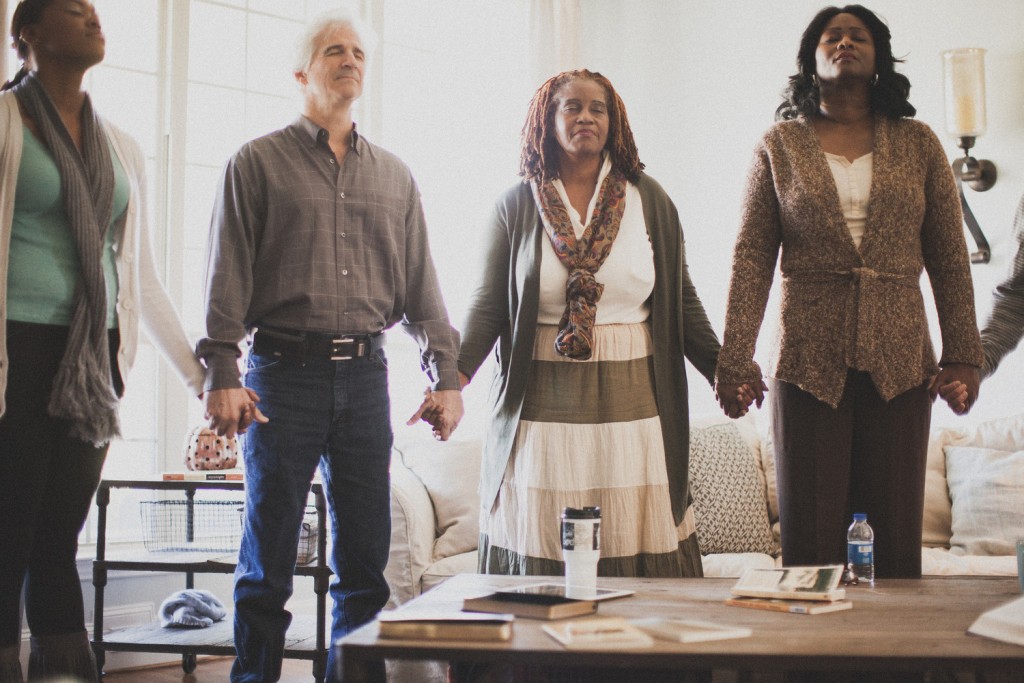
{"type": "Point", "coordinates": [76, 278]}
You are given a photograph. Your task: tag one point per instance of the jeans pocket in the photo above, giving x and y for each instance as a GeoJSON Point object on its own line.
{"type": "Point", "coordinates": [258, 363]}
{"type": "Point", "coordinates": [379, 359]}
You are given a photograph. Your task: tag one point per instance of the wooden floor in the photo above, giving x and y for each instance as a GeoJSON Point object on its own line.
{"type": "Point", "coordinates": [208, 670]}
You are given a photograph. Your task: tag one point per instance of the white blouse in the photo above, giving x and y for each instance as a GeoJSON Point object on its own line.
{"type": "Point", "coordinates": [627, 273]}
{"type": "Point", "coordinates": [853, 181]}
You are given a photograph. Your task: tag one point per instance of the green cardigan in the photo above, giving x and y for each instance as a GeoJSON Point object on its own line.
{"type": "Point", "coordinates": [504, 311]}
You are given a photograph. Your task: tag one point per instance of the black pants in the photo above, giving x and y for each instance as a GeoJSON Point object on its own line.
{"type": "Point", "coordinates": [868, 455]}
{"type": "Point", "coordinates": [47, 481]}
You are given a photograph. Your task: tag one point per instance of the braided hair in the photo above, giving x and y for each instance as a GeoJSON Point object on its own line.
{"type": "Point", "coordinates": [540, 151]}
{"type": "Point", "coordinates": [27, 12]}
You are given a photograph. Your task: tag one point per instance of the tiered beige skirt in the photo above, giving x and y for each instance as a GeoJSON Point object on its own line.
{"type": "Point", "coordinates": [589, 435]}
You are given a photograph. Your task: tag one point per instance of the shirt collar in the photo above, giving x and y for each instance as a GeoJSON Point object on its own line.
{"type": "Point", "coordinates": [318, 135]}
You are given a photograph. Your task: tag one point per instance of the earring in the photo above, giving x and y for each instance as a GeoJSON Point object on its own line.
{"type": "Point", "coordinates": [814, 81]}
{"type": "Point", "coordinates": [874, 80]}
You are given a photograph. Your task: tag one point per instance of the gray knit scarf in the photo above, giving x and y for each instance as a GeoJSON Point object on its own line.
{"type": "Point", "coordinates": [83, 393]}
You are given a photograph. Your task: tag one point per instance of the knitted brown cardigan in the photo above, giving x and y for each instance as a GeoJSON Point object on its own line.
{"type": "Point", "coordinates": [843, 307]}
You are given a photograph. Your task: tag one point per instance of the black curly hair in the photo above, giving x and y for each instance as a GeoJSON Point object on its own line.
{"type": "Point", "coordinates": [888, 94]}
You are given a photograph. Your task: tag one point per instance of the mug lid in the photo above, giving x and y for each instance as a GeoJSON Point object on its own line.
{"type": "Point", "coordinates": [582, 513]}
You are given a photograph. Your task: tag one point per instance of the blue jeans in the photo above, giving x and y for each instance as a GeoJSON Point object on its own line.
{"type": "Point", "coordinates": [335, 414]}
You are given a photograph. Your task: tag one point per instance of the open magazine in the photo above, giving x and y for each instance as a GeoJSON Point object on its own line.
{"type": "Point", "coordinates": [792, 583]}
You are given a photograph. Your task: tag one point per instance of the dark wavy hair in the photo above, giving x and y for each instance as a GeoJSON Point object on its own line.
{"type": "Point", "coordinates": [539, 155]}
{"type": "Point", "coordinates": [27, 12]}
{"type": "Point", "coordinates": [888, 95]}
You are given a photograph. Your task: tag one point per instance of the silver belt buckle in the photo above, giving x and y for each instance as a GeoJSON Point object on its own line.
{"type": "Point", "coordinates": [336, 345]}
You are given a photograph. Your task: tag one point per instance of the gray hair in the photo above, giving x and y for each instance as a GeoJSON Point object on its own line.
{"type": "Point", "coordinates": [342, 17]}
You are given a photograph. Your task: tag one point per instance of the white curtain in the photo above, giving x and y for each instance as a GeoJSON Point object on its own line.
{"type": "Point", "coordinates": [554, 37]}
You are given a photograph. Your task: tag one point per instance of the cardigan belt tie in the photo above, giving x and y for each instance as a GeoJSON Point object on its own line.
{"type": "Point", "coordinates": [863, 297]}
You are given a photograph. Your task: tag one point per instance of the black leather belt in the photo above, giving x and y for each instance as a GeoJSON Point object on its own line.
{"type": "Point", "coordinates": [300, 346]}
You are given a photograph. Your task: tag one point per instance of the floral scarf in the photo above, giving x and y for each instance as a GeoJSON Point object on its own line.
{"type": "Point", "coordinates": [583, 257]}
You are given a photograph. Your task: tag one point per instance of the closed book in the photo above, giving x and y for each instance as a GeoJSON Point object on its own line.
{"type": "Point", "coordinates": [689, 630]}
{"type": "Point", "coordinates": [205, 475]}
{"type": "Point", "coordinates": [530, 605]}
{"type": "Point", "coordinates": [792, 606]}
{"type": "Point", "coordinates": [598, 633]}
{"type": "Point", "coordinates": [445, 625]}
{"type": "Point", "coordinates": [792, 583]}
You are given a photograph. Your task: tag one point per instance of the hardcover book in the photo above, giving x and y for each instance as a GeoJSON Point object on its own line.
{"type": "Point", "coordinates": [444, 625]}
{"type": "Point", "coordinates": [688, 630]}
{"type": "Point", "coordinates": [792, 606]}
{"type": "Point", "coordinates": [792, 583]}
{"type": "Point", "coordinates": [534, 605]}
{"type": "Point", "coordinates": [205, 475]}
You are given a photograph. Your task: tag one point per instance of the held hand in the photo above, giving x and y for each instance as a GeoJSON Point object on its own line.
{"type": "Point", "coordinates": [463, 380]}
{"type": "Point", "coordinates": [232, 411]}
{"type": "Point", "coordinates": [958, 385]}
{"type": "Point", "coordinates": [442, 410]}
{"type": "Point", "coordinates": [735, 399]}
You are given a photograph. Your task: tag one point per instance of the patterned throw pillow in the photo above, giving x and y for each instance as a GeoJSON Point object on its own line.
{"type": "Point", "coordinates": [729, 500]}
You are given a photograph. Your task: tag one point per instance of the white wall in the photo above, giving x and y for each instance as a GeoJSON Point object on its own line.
{"type": "Point", "coordinates": [701, 80]}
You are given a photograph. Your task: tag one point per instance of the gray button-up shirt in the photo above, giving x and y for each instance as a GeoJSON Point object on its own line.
{"type": "Point", "coordinates": [299, 241]}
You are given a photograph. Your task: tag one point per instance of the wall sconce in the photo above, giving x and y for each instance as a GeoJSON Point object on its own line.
{"type": "Point", "coordinates": [964, 79]}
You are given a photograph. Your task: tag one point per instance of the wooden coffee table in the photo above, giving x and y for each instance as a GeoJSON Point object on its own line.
{"type": "Point", "coordinates": [898, 625]}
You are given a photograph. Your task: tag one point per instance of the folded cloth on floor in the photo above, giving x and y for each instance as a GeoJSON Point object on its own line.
{"type": "Point", "coordinates": [192, 609]}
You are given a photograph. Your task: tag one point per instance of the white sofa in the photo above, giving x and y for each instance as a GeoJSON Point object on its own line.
{"type": "Point", "coordinates": [974, 502]}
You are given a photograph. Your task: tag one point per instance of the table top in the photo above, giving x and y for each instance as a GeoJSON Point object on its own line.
{"type": "Point", "coordinates": [899, 624]}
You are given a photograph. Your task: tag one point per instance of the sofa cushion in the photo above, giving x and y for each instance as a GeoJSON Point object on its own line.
{"type": "Point", "coordinates": [938, 508]}
{"type": "Point", "coordinates": [450, 471]}
{"type": "Point", "coordinates": [729, 492]}
{"type": "Point", "coordinates": [986, 487]}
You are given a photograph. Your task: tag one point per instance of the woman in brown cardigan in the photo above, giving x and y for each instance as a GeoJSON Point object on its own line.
{"type": "Point", "coordinates": [857, 197]}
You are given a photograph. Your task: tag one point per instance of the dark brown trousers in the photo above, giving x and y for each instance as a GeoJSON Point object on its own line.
{"type": "Point", "coordinates": [868, 455]}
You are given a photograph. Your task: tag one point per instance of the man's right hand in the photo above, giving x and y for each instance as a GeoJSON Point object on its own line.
{"type": "Point", "coordinates": [231, 411]}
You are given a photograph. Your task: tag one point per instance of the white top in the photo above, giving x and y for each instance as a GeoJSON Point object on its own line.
{"type": "Point", "coordinates": [853, 181]}
{"type": "Point", "coordinates": [627, 273]}
{"type": "Point", "coordinates": [140, 295]}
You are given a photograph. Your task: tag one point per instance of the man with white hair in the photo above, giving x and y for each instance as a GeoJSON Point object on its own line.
{"type": "Point", "coordinates": [318, 244]}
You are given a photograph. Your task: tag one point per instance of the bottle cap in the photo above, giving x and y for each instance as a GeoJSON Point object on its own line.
{"type": "Point", "coordinates": [860, 517]}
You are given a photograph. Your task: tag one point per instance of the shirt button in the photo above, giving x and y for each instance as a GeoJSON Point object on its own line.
{"type": "Point", "coordinates": [344, 234]}
{"type": "Point", "coordinates": [332, 160]}
{"type": "Point", "coordinates": [344, 272]}
{"type": "Point", "coordinates": [342, 195]}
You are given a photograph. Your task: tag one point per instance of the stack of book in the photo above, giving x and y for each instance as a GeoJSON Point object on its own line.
{"type": "Point", "coordinates": [799, 590]}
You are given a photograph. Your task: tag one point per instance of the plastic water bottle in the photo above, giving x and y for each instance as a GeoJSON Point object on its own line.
{"type": "Point", "coordinates": [860, 549]}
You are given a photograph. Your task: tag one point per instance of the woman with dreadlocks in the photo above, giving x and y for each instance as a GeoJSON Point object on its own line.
{"type": "Point", "coordinates": [587, 294]}
{"type": "Point", "coordinates": [76, 280]}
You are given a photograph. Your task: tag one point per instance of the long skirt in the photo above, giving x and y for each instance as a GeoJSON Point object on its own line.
{"type": "Point", "coordinates": [589, 435]}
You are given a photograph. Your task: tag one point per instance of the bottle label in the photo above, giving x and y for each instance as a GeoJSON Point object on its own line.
{"type": "Point", "coordinates": [860, 554]}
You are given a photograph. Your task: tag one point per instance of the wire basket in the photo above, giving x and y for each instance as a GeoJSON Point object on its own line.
{"type": "Point", "coordinates": [191, 526]}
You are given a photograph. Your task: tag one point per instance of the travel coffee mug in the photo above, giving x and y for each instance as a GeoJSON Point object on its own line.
{"type": "Point", "coordinates": [581, 549]}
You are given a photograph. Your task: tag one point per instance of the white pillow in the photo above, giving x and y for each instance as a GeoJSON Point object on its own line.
{"type": "Point", "coordinates": [729, 500]}
{"type": "Point", "coordinates": [450, 471]}
{"type": "Point", "coordinates": [986, 487]}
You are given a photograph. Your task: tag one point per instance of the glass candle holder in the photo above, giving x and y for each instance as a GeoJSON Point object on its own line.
{"type": "Point", "coordinates": [964, 80]}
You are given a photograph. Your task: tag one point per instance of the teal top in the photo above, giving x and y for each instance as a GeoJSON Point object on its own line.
{"type": "Point", "coordinates": [44, 263]}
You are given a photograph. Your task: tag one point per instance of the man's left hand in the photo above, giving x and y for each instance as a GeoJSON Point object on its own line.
{"type": "Point", "coordinates": [442, 410]}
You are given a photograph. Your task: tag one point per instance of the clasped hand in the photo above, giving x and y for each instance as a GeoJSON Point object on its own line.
{"type": "Point", "coordinates": [735, 398]}
{"type": "Point", "coordinates": [958, 385]}
{"type": "Point", "coordinates": [442, 410]}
